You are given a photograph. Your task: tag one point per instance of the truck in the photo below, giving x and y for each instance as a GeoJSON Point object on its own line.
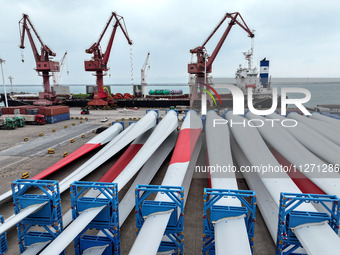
{"type": "Point", "coordinates": [20, 121]}
{"type": "Point", "coordinates": [38, 119]}
{"type": "Point", "coordinates": [8, 123]}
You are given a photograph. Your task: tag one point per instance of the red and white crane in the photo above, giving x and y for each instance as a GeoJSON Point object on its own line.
{"type": "Point", "coordinates": [203, 64]}
{"type": "Point", "coordinates": [100, 59]}
{"type": "Point", "coordinates": [57, 76]}
{"type": "Point", "coordinates": [144, 74]}
{"type": "Point", "coordinates": [44, 60]}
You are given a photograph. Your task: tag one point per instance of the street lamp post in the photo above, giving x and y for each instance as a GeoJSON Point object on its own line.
{"type": "Point", "coordinates": [204, 94]}
{"type": "Point", "coordinates": [11, 82]}
{"type": "Point", "coordinates": [3, 80]}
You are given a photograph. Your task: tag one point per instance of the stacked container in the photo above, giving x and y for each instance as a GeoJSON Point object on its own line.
{"type": "Point", "coordinates": [17, 109]}
{"type": "Point", "coordinates": [34, 111]}
{"type": "Point", "coordinates": [55, 114]}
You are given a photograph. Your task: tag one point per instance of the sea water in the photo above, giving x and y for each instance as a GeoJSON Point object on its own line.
{"type": "Point", "coordinates": [323, 91]}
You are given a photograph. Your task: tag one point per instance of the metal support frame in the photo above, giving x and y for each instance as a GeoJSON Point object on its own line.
{"type": "Point", "coordinates": [175, 229]}
{"type": "Point", "coordinates": [213, 213]}
{"type": "Point", "coordinates": [289, 218]}
{"type": "Point", "coordinates": [3, 239]}
{"type": "Point", "coordinates": [48, 217]}
{"type": "Point", "coordinates": [106, 221]}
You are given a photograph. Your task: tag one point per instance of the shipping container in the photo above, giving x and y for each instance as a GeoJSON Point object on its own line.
{"type": "Point", "coordinates": [54, 110]}
{"type": "Point", "coordinates": [29, 118]}
{"type": "Point", "coordinates": [90, 89]}
{"type": "Point", "coordinates": [17, 109]}
{"type": "Point", "coordinates": [32, 111]}
{"type": "Point", "coordinates": [61, 90]}
{"type": "Point", "coordinates": [57, 118]}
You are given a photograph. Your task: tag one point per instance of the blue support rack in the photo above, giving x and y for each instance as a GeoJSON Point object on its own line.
{"type": "Point", "coordinates": [204, 120]}
{"type": "Point", "coordinates": [3, 239]}
{"type": "Point", "coordinates": [175, 229]}
{"type": "Point", "coordinates": [213, 212]}
{"type": "Point", "coordinates": [49, 217]}
{"type": "Point", "coordinates": [106, 221]}
{"type": "Point", "coordinates": [289, 218]}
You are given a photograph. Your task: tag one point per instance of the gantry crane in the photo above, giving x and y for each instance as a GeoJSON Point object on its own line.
{"type": "Point", "coordinates": [44, 63]}
{"type": "Point", "coordinates": [57, 75]}
{"type": "Point", "coordinates": [203, 65]}
{"type": "Point", "coordinates": [100, 59]}
{"type": "Point", "coordinates": [144, 74]}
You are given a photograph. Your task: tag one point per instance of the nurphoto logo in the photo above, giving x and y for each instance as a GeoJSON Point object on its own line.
{"type": "Point", "coordinates": [239, 109]}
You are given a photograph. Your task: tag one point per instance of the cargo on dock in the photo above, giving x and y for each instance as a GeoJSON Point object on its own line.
{"type": "Point", "coordinates": [57, 118]}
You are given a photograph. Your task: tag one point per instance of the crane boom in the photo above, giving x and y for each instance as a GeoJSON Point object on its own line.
{"type": "Point", "coordinates": [144, 74]}
{"type": "Point", "coordinates": [100, 59]}
{"type": "Point", "coordinates": [198, 68]}
{"type": "Point", "coordinates": [44, 64]}
{"type": "Point", "coordinates": [145, 68]}
{"type": "Point", "coordinates": [57, 75]}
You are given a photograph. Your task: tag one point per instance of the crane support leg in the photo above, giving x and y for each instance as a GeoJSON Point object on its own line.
{"type": "Point", "coordinates": [46, 80]}
{"type": "Point", "coordinates": [144, 208]}
{"type": "Point", "coordinates": [106, 221]}
{"type": "Point", "coordinates": [290, 218]}
{"type": "Point", "coordinates": [213, 213]}
{"type": "Point", "coordinates": [100, 97]}
{"type": "Point", "coordinates": [49, 217]}
{"type": "Point", "coordinates": [3, 239]}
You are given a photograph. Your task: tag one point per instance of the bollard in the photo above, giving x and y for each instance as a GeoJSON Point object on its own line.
{"type": "Point", "coordinates": [25, 175]}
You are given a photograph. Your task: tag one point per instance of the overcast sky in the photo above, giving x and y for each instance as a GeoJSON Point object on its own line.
{"type": "Point", "coordinates": [300, 38]}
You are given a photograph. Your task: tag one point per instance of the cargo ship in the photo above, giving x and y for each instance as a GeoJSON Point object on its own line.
{"type": "Point", "coordinates": [156, 98]}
